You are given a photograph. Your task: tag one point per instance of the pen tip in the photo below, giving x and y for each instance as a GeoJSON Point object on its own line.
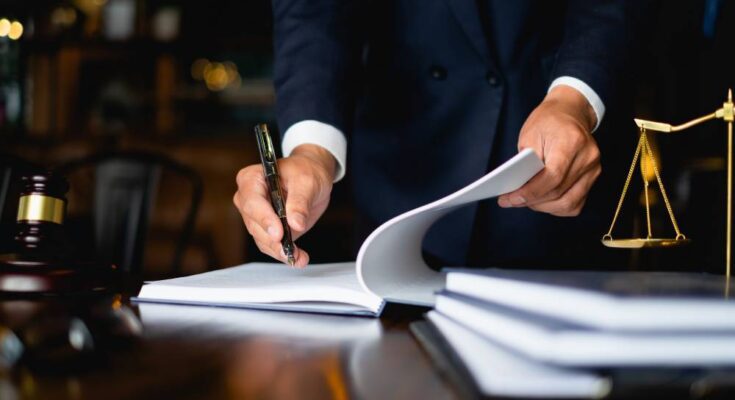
{"type": "Point", "coordinates": [291, 261]}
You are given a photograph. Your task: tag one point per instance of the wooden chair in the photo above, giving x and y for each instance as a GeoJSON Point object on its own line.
{"type": "Point", "coordinates": [123, 189]}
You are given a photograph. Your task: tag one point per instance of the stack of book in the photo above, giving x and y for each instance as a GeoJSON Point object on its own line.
{"type": "Point", "coordinates": [561, 333]}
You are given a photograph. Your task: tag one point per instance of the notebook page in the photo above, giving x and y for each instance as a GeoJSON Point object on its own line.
{"type": "Point", "coordinates": [390, 264]}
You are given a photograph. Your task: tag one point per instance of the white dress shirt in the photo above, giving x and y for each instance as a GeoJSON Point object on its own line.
{"type": "Point", "coordinates": [334, 141]}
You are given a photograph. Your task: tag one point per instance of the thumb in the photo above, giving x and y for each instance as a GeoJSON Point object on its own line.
{"type": "Point", "coordinates": [298, 205]}
{"type": "Point", "coordinates": [531, 138]}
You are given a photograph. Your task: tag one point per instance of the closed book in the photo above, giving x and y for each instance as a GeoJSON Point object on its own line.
{"type": "Point", "coordinates": [554, 341]}
{"type": "Point", "coordinates": [478, 367]}
{"type": "Point", "coordinates": [623, 301]}
{"type": "Point", "coordinates": [492, 370]}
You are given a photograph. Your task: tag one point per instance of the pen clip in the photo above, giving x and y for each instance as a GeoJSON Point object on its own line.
{"type": "Point", "coordinates": [265, 144]}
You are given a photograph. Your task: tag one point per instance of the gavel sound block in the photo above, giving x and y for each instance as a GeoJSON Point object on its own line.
{"type": "Point", "coordinates": [40, 262]}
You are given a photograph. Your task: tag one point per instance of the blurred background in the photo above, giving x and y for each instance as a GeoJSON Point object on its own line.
{"type": "Point", "coordinates": [179, 85]}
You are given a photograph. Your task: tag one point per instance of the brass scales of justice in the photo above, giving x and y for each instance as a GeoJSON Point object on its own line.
{"type": "Point", "coordinates": [643, 151]}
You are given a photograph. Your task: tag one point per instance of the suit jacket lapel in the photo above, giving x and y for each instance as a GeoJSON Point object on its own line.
{"type": "Point", "coordinates": [465, 12]}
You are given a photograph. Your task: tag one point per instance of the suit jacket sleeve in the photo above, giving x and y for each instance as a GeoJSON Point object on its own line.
{"type": "Point", "coordinates": [599, 42]}
{"type": "Point", "coordinates": [317, 49]}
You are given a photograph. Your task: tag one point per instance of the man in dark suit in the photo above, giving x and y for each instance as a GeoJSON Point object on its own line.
{"type": "Point", "coordinates": [430, 95]}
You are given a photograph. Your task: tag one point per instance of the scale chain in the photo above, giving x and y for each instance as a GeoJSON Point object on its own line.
{"type": "Point", "coordinates": [608, 236]}
{"type": "Point", "coordinates": [679, 235]}
{"type": "Point", "coordinates": [644, 172]}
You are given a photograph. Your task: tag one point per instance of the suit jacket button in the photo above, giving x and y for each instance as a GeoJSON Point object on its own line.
{"type": "Point", "coordinates": [492, 79]}
{"type": "Point", "coordinates": [438, 72]}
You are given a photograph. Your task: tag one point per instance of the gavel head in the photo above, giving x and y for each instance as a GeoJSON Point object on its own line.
{"type": "Point", "coordinates": [41, 212]}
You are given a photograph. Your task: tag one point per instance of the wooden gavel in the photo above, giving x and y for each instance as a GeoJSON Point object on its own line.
{"type": "Point", "coordinates": [40, 262]}
{"type": "Point", "coordinates": [41, 214]}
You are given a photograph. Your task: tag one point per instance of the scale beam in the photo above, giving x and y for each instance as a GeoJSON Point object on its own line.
{"type": "Point", "coordinates": [664, 127]}
{"type": "Point", "coordinates": [727, 113]}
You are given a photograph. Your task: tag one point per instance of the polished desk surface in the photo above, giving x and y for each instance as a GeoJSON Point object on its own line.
{"type": "Point", "coordinates": [188, 352]}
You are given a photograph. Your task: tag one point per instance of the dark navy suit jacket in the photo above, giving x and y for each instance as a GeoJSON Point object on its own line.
{"type": "Point", "coordinates": [432, 94]}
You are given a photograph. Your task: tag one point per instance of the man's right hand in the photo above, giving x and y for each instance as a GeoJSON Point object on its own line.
{"type": "Point", "coordinates": [306, 179]}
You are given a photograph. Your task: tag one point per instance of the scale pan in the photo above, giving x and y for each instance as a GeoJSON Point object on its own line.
{"type": "Point", "coordinates": [641, 243]}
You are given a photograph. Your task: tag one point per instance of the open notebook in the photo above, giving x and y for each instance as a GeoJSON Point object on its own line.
{"type": "Point", "coordinates": [389, 266]}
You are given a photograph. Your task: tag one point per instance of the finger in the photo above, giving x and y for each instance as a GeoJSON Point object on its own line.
{"type": "Point", "coordinates": [572, 158]}
{"type": "Point", "coordinates": [274, 249]}
{"type": "Point", "coordinates": [552, 183]}
{"type": "Point", "coordinates": [572, 202]}
{"type": "Point", "coordinates": [549, 184]}
{"type": "Point", "coordinates": [528, 140]}
{"type": "Point", "coordinates": [260, 219]}
{"type": "Point", "coordinates": [252, 201]}
{"type": "Point", "coordinates": [298, 206]}
{"type": "Point", "coordinates": [264, 242]}
{"type": "Point", "coordinates": [301, 258]}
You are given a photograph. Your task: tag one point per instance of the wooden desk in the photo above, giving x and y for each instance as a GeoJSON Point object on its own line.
{"type": "Point", "coordinates": [216, 353]}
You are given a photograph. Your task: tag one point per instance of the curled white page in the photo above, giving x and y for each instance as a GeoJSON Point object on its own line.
{"type": "Point", "coordinates": [390, 264]}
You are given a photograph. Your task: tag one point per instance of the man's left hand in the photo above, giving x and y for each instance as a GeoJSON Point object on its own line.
{"type": "Point", "coordinates": [558, 130]}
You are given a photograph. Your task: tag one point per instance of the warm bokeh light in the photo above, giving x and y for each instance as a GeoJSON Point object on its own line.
{"type": "Point", "coordinates": [16, 30]}
{"type": "Point", "coordinates": [230, 67]}
{"type": "Point", "coordinates": [4, 27]}
{"type": "Point", "coordinates": [64, 16]}
{"type": "Point", "coordinates": [237, 82]}
{"type": "Point", "coordinates": [648, 163]}
{"type": "Point", "coordinates": [197, 68]}
{"type": "Point", "coordinates": [217, 76]}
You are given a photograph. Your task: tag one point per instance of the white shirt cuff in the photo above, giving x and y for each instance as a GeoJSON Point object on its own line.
{"type": "Point", "coordinates": [320, 134]}
{"type": "Point", "coordinates": [597, 105]}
